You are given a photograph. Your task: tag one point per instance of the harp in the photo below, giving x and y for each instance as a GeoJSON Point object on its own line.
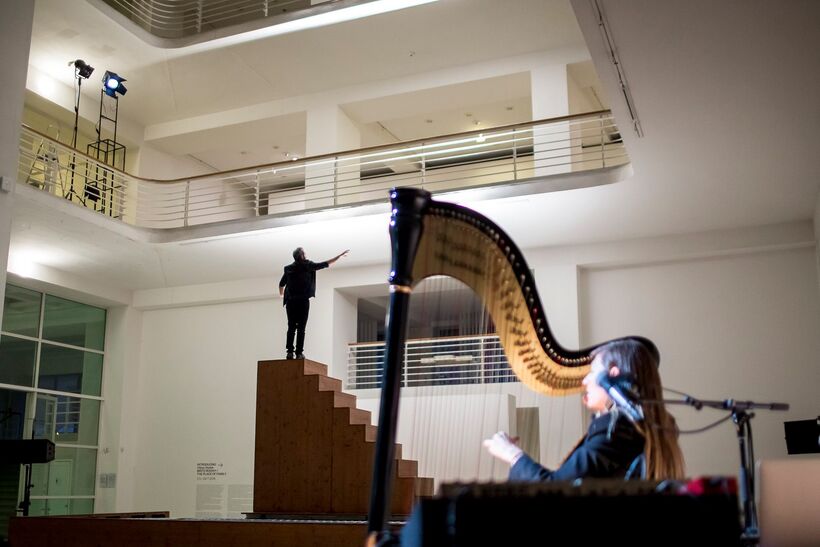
{"type": "Point", "coordinates": [431, 238]}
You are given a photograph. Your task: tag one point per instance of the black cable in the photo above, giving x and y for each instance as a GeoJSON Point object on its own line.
{"type": "Point", "coordinates": [676, 392]}
{"type": "Point", "coordinates": [707, 427]}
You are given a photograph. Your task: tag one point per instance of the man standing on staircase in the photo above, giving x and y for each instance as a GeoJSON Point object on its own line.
{"type": "Point", "coordinates": [298, 286]}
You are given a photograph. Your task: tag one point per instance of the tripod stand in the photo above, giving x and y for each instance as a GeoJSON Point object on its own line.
{"type": "Point", "coordinates": [80, 69]}
{"type": "Point", "coordinates": [73, 168]}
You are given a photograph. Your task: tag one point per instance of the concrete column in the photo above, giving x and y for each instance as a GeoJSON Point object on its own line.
{"type": "Point", "coordinates": [550, 99]}
{"type": "Point", "coordinates": [16, 18]}
{"type": "Point", "coordinates": [330, 182]}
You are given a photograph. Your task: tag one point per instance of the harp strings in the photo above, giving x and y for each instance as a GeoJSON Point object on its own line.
{"type": "Point", "coordinates": [459, 385]}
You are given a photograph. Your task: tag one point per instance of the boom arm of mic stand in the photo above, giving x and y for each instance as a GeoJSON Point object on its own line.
{"type": "Point", "coordinates": [725, 404]}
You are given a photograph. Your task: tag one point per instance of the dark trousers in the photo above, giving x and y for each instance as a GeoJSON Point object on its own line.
{"type": "Point", "coordinates": [297, 310]}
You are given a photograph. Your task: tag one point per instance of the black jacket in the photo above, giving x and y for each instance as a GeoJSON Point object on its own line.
{"type": "Point", "coordinates": [299, 279]}
{"type": "Point", "coordinates": [603, 453]}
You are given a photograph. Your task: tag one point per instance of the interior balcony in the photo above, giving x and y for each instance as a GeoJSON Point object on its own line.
{"type": "Point", "coordinates": [536, 157]}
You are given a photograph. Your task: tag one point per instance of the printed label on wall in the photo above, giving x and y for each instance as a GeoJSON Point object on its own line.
{"type": "Point", "coordinates": [210, 471]}
{"type": "Point", "coordinates": [216, 497]}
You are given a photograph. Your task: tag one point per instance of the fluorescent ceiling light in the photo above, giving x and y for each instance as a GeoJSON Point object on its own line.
{"type": "Point", "coordinates": [341, 15]}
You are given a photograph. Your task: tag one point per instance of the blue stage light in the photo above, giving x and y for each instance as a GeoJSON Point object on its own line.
{"type": "Point", "coordinates": [112, 84]}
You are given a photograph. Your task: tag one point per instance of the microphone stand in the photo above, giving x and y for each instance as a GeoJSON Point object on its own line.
{"type": "Point", "coordinates": [741, 417]}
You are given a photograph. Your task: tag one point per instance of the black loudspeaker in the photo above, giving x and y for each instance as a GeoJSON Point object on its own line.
{"type": "Point", "coordinates": [803, 436]}
{"type": "Point", "coordinates": [26, 451]}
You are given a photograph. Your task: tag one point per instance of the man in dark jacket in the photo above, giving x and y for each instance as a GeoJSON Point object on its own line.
{"type": "Point", "coordinates": [298, 286]}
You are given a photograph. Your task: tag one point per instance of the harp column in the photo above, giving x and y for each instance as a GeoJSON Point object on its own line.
{"type": "Point", "coordinates": [550, 99]}
{"type": "Point", "coordinates": [329, 181]}
{"type": "Point", "coordinates": [408, 205]}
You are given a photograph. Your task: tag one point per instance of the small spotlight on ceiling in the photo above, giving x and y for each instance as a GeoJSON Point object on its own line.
{"type": "Point", "coordinates": [112, 84]}
{"type": "Point", "coordinates": [83, 69]}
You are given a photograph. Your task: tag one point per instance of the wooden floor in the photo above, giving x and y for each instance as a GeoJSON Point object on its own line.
{"type": "Point", "coordinates": [96, 532]}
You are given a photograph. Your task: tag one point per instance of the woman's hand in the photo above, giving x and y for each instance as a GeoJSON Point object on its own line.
{"type": "Point", "coordinates": [504, 447]}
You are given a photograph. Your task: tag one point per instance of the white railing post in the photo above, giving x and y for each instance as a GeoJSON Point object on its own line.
{"type": "Point", "coordinates": [335, 179]}
{"type": "Point", "coordinates": [515, 155]}
{"type": "Point", "coordinates": [603, 150]}
{"type": "Point", "coordinates": [423, 166]}
{"type": "Point", "coordinates": [256, 194]}
{"type": "Point", "coordinates": [187, 197]}
{"type": "Point", "coordinates": [199, 16]}
{"type": "Point", "coordinates": [481, 360]}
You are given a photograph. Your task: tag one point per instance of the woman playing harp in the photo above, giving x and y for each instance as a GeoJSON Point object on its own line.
{"type": "Point", "coordinates": [616, 445]}
{"type": "Point", "coordinates": [431, 238]}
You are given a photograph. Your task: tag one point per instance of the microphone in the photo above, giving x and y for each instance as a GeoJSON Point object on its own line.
{"type": "Point", "coordinates": [619, 390]}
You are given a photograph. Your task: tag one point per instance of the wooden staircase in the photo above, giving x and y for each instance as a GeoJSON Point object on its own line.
{"type": "Point", "coordinates": [314, 448]}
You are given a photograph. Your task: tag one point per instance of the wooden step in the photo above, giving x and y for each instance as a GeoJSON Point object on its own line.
{"type": "Point", "coordinates": [424, 487]}
{"type": "Point", "coordinates": [355, 416]}
{"type": "Point", "coordinates": [407, 468]}
{"type": "Point", "coordinates": [359, 416]}
{"type": "Point", "coordinates": [312, 367]}
{"type": "Point", "coordinates": [342, 399]}
{"type": "Point", "coordinates": [305, 365]}
{"type": "Point", "coordinates": [326, 383]}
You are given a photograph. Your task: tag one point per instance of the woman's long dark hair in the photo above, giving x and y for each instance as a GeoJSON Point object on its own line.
{"type": "Point", "coordinates": [639, 362]}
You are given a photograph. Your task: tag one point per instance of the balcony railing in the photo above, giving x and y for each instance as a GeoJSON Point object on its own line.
{"type": "Point", "coordinates": [433, 362]}
{"type": "Point", "coordinates": [478, 159]}
{"type": "Point", "coordinates": [183, 18]}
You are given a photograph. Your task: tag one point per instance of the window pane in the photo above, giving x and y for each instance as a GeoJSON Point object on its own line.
{"type": "Point", "coordinates": [73, 323]}
{"type": "Point", "coordinates": [66, 420]}
{"type": "Point", "coordinates": [56, 507]}
{"type": "Point", "coordinates": [21, 311]}
{"type": "Point", "coordinates": [71, 473]}
{"type": "Point", "coordinates": [17, 361]}
{"type": "Point", "coordinates": [12, 412]}
{"type": "Point", "coordinates": [72, 370]}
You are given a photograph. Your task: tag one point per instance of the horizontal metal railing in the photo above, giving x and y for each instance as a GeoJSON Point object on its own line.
{"type": "Point", "coordinates": [182, 18]}
{"type": "Point", "coordinates": [493, 157]}
{"type": "Point", "coordinates": [433, 362]}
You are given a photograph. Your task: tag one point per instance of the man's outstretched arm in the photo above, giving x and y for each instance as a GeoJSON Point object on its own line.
{"type": "Point", "coordinates": [337, 257]}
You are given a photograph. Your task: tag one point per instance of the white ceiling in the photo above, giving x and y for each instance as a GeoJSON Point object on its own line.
{"type": "Point", "coordinates": [726, 93]}
{"type": "Point", "coordinates": [182, 83]}
{"type": "Point", "coordinates": [174, 84]}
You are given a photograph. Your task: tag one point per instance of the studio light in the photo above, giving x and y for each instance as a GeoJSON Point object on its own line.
{"type": "Point", "coordinates": [83, 69]}
{"type": "Point", "coordinates": [112, 84]}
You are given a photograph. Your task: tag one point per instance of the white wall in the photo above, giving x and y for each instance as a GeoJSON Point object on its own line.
{"type": "Point", "coordinates": [15, 28]}
{"type": "Point", "coordinates": [738, 326]}
{"type": "Point", "coordinates": [155, 164]}
{"type": "Point", "coordinates": [197, 397]}
{"type": "Point", "coordinates": [817, 235]}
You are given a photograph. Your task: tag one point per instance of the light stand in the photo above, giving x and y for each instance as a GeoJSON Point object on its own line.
{"type": "Point", "coordinates": [82, 70]}
{"type": "Point", "coordinates": [26, 503]}
{"type": "Point", "coordinates": [106, 150]}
